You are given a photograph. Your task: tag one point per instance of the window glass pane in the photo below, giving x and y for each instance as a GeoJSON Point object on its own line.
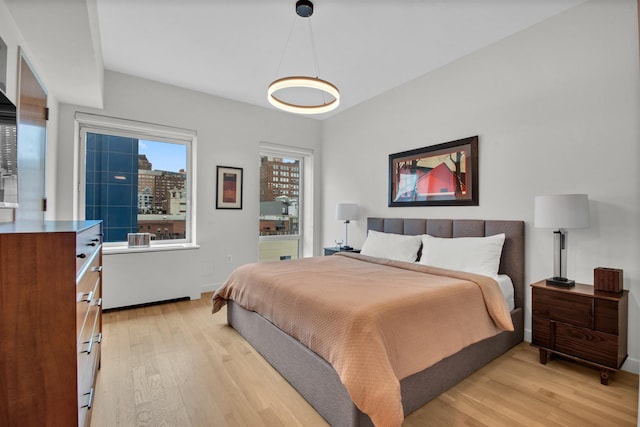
{"type": "Point", "coordinates": [279, 196]}
{"type": "Point", "coordinates": [8, 162]}
{"type": "Point", "coordinates": [279, 250]}
{"type": "Point", "coordinates": [136, 185]}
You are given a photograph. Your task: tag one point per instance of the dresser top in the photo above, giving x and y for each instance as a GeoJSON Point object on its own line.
{"type": "Point", "coordinates": [45, 226]}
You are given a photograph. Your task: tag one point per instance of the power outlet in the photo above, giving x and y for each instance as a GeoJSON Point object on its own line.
{"type": "Point", "coordinates": [229, 258]}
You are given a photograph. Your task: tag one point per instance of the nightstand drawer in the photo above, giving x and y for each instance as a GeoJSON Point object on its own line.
{"type": "Point", "coordinates": [542, 334]}
{"type": "Point", "coordinates": [568, 308]}
{"type": "Point", "coordinates": [606, 318]}
{"type": "Point", "coordinates": [587, 344]}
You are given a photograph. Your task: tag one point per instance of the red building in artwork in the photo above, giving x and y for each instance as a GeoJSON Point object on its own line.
{"type": "Point", "coordinates": [419, 183]}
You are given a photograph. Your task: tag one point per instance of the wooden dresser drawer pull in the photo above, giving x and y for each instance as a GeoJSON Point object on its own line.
{"type": "Point", "coordinates": [82, 256]}
{"type": "Point", "coordinates": [93, 340]}
{"type": "Point", "coordinates": [95, 240]}
{"type": "Point", "coordinates": [89, 297]}
{"type": "Point", "coordinates": [91, 244]}
{"type": "Point", "coordinates": [89, 347]}
{"type": "Point", "coordinates": [90, 402]}
{"type": "Point", "coordinates": [98, 269]}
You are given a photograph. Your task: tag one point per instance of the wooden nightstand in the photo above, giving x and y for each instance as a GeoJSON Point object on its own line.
{"type": "Point", "coordinates": [333, 250]}
{"type": "Point", "coordinates": [581, 324]}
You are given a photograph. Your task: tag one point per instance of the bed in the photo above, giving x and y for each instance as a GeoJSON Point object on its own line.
{"type": "Point", "coordinates": [321, 385]}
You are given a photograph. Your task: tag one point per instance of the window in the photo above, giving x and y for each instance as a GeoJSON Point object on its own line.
{"type": "Point", "coordinates": [284, 211]}
{"type": "Point", "coordinates": [136, 177]}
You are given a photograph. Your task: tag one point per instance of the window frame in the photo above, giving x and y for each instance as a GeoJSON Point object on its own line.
{"type": "Point", "coordinates": [93, 123]}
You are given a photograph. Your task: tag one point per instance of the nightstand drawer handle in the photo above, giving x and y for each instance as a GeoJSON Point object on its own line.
{"type": "Point", "coordinates": [82, 256]}
{"type": "Point", "coordinates": [98, 269]}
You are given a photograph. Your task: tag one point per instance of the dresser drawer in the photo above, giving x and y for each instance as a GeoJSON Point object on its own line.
{"type": "Point", "coordinates": [87, 243]}
{"type": "Point", "coordinates": [568, 308]}
{"type": "Point", "coordinates": [86, 388]}
{"type": "Point", "coordinates": [594, 346]}
{"type": "Point", "coordinates": [88, 357]}
{"type": "Point", "coordinates": [87, 293]}
{"type": "Point", "coordinates": [90, 326]}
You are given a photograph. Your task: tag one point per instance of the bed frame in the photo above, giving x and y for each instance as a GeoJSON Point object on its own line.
{"type": "Point", "coordinates": [319, 383]}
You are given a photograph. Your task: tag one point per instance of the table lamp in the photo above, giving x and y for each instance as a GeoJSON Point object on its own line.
{"type": "Point", "coordinates": [561, 211]}
{"type": "Point", "coordinates": [346, 212]}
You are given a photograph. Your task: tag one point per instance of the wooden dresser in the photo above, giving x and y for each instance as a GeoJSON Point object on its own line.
{"type": "Point", "coordinates": [50, 321]}
{"type": "Point", "coordinates": [581, 324]}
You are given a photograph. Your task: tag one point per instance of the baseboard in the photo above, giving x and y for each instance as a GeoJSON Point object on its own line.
{"type": "Point", "coordinates": [631, 365]}
{"type": "Point", "coordinates": [211, 287]}
{"type": "Point", "coordinates": [146, 304]}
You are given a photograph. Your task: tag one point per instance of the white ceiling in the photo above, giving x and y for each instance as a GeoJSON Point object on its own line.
{"type": "Point", "coordinates": [233, 48]}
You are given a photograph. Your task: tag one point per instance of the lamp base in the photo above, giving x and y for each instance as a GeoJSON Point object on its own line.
{"type": "Point", "coordinates": [561, 281]}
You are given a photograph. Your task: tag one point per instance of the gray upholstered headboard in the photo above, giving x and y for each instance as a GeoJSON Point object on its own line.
{"type": "Point", "coordinates": [512, 260]}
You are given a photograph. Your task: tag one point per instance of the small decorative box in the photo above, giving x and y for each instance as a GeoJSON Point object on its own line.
{"type": "Point", "coordinates": [607, 279]}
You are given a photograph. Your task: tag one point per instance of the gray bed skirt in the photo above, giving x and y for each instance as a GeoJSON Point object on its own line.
{"type": "Point", "coordinates": [319, 384]}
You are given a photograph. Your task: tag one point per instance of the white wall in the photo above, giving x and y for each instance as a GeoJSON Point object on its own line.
{"type": "Point", "coordinates": [556, 108]}
{"type": "Point", "coordinates": [14, 40]}
{"type": "Point", "coordinates": [229, 134]}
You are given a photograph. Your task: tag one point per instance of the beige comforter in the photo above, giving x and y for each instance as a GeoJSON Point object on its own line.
{"type": "Point", "coordinates": [375, 321]}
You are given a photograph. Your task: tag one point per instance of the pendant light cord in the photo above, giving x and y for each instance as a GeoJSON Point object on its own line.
{"type": "Point", "coordinates": [313, 51]}
{"type": "Point", "coordinates": [286, 45]}
{"type": "Point", "coordinates": [315, 58]}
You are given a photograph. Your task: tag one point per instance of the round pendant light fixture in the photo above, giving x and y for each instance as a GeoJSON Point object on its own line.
{"type": "Point", "coordinates": [304, 9]}
{"type": "Point", "coordinates": [303, 82]}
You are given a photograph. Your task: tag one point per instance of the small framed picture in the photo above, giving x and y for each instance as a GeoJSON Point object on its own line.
{"type": "Point", "coordinates": [229, 188]}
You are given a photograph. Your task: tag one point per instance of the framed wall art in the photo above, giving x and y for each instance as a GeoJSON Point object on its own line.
{"type": "Point", "coordinates": [439, 175]}
{"type": "Point", "coordinates": [228, 188]}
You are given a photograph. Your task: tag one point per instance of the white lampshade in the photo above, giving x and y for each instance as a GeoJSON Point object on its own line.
{"type": "Point", "coordinates": [346, 211]}
{"type": "Point", "coordinates": [562, 211]}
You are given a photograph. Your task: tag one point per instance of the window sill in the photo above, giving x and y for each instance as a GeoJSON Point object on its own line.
{"type": "Point", "coordinates": [124, 249]}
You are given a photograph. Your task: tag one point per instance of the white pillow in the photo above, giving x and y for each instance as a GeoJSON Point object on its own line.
{"type": "Point", "coordinates": [391, 246]}
{"type": "Point", "coordinates": [479, 255]}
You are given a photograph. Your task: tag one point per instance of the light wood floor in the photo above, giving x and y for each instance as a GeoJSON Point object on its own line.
{"type": "Point", "coordinates": [177, 365]}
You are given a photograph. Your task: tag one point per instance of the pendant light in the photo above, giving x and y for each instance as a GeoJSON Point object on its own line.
{"type": "Point", "coordinates": [304, 9]}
